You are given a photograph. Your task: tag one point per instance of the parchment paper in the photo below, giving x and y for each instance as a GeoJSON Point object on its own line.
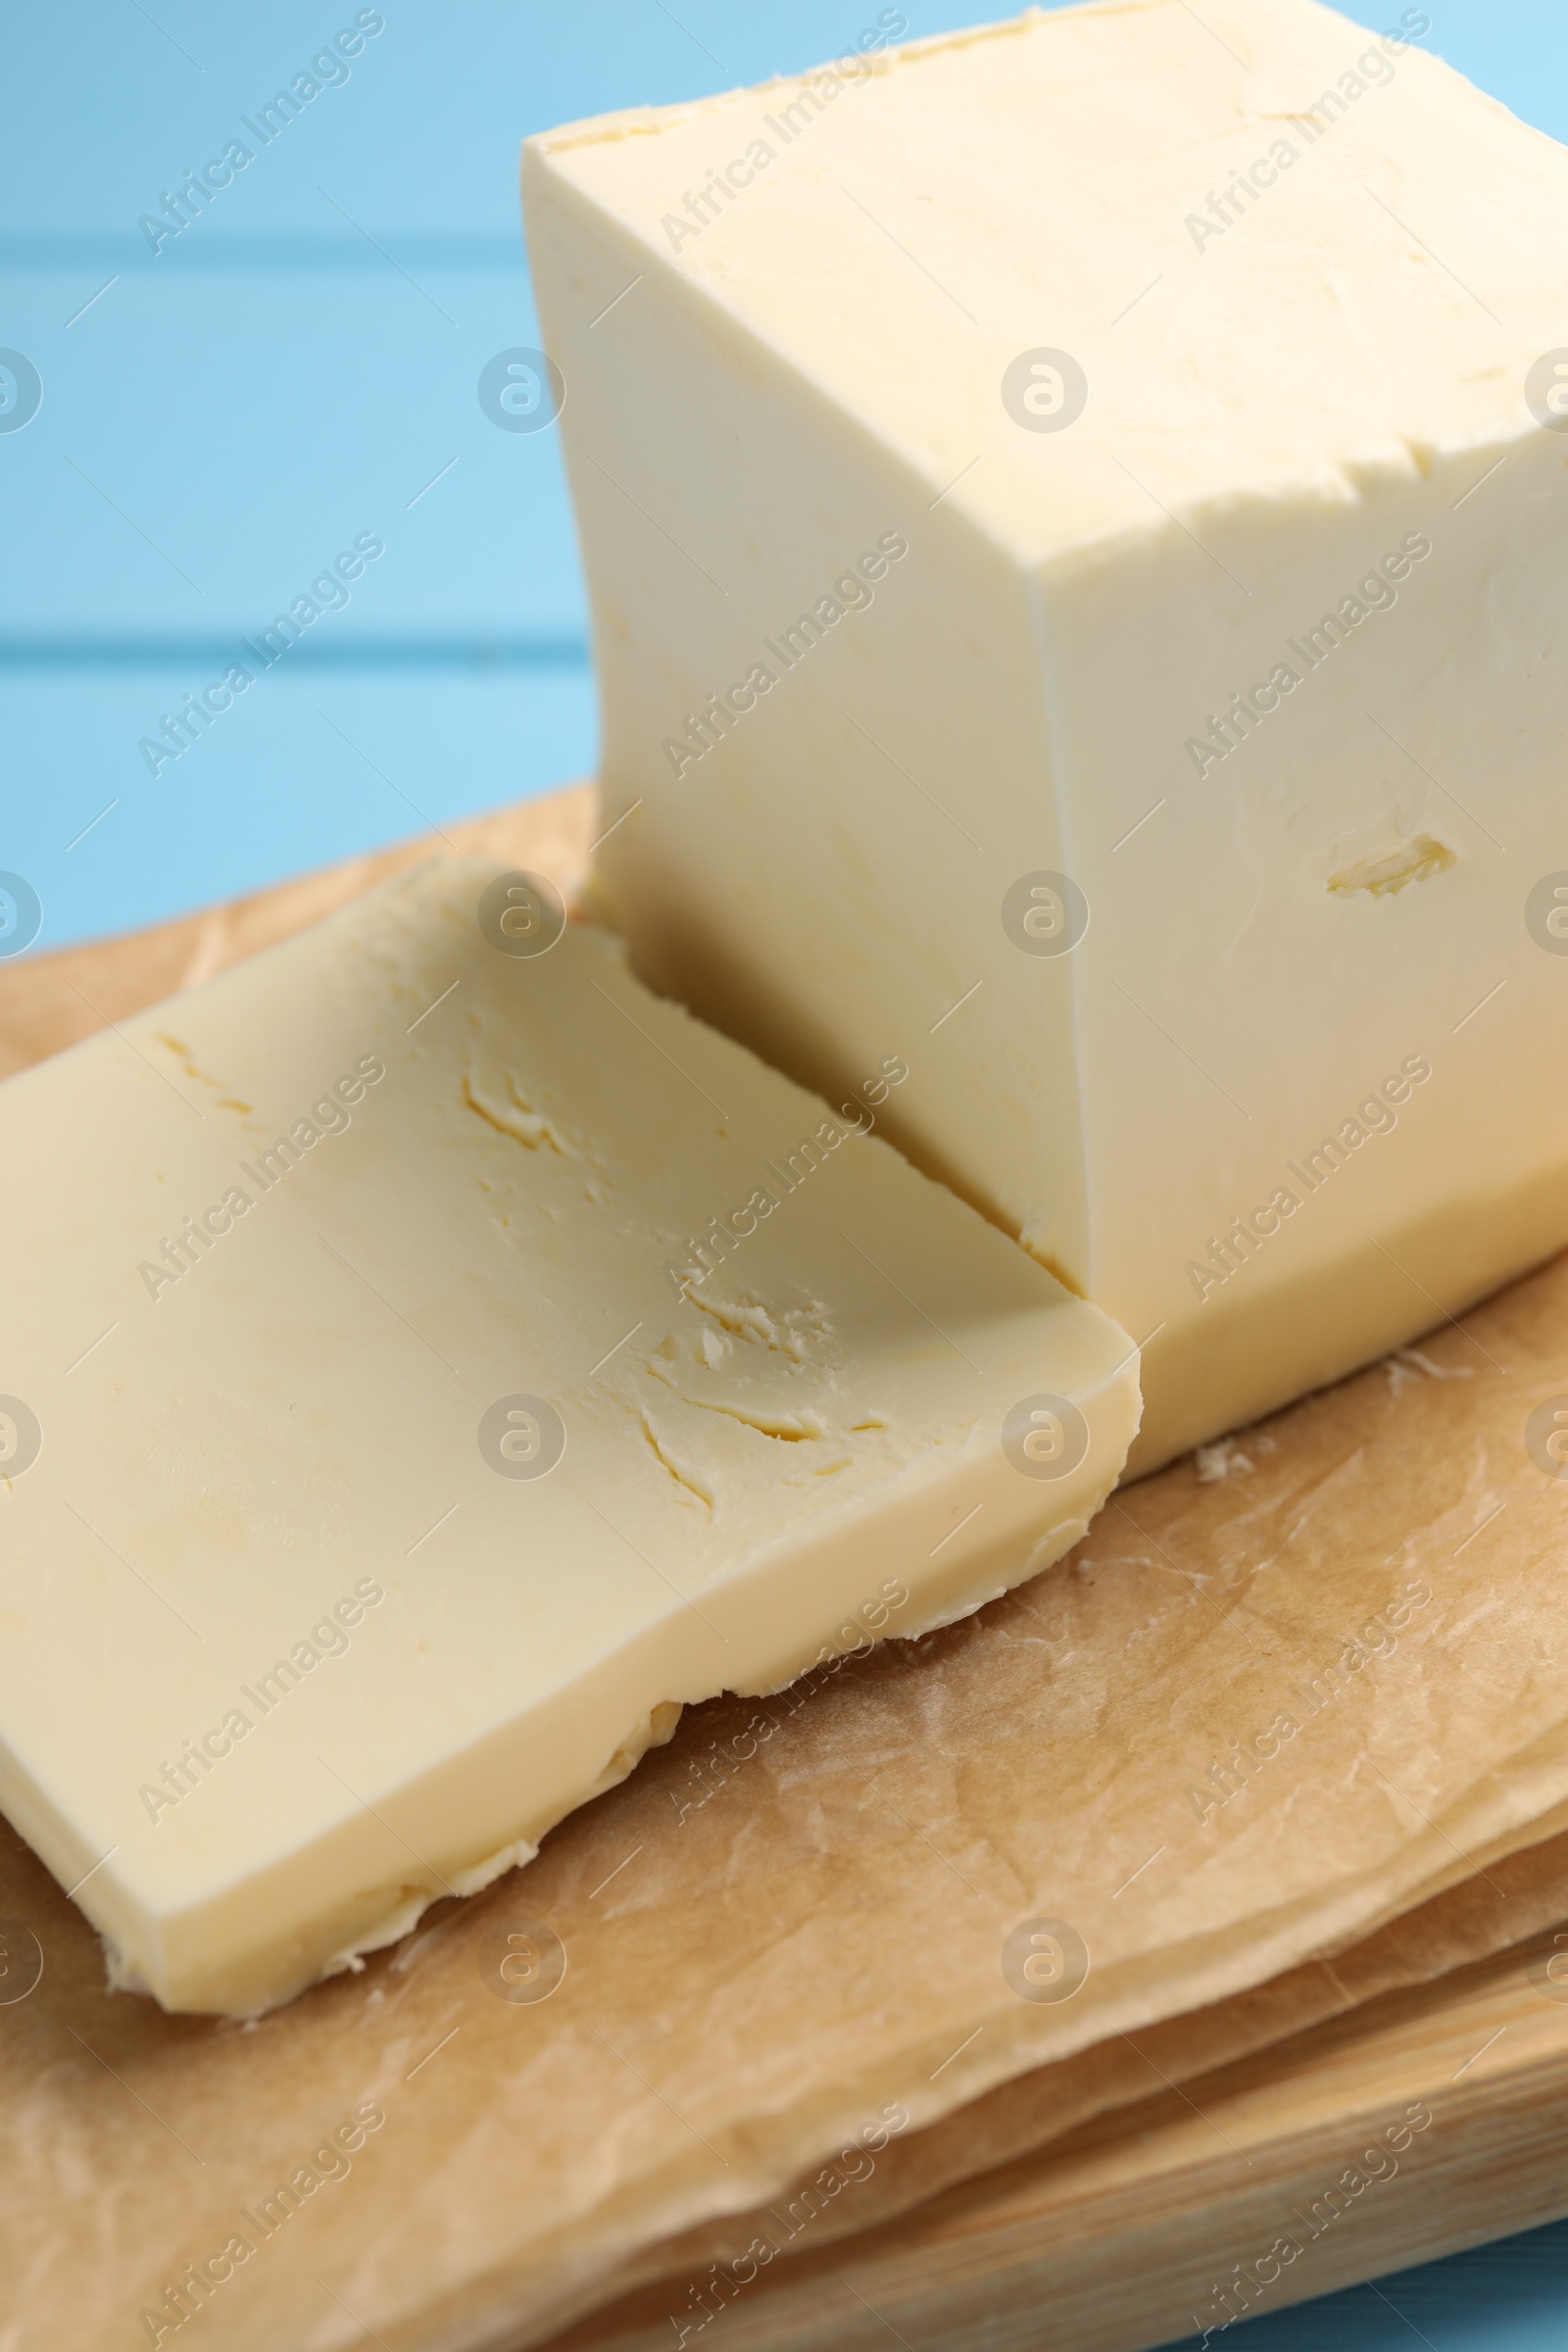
{"type": "Point", "coordinates": [1516, 1897]}
{"type": "Point", "coordinates": [785, 1935]}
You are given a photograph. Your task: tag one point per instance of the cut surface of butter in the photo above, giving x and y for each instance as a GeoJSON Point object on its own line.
{"type": "Point", "coordinates": [1077, 522]}
{"type": "Point", "coordinates": [428, 1366]}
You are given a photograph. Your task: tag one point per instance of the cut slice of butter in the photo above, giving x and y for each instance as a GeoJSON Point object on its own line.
{"type": "Point", "coordinates": [1077, 521]}
{"type": "Point", "coordinates": [430, 1361]}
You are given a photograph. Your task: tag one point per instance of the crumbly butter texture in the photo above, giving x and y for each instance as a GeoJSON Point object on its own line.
{"type": "Point", "coordinates": [427, 1367]}
{"type": "Point", "coordinates": [1075, 519]}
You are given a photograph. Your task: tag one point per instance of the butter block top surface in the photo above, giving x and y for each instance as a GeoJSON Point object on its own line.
{"type": "Point", "coordinates": [449, 1362]}
{"type": "Point", "coordinates": [1282, 254]}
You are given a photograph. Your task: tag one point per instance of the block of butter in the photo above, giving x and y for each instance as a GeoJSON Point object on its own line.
{"type": "Point", "coordinates": [429, 1361]}
{"type": "Point", "coordinates": [1076, 519]}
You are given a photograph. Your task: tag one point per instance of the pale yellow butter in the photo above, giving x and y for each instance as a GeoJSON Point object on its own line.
{"type": "Point", "coordinates": [1127, 444]}
{"type": "Point", "coordinates": [426, 1367]}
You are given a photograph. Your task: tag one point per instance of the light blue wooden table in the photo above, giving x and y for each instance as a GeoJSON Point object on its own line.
{"type": "Point", "coordinates": [298, 369]}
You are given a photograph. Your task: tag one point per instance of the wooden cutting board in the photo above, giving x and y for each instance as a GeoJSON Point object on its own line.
{"type": "Point", "coordinates": [1152, 2224]}
{"type": "Point", "coordinates": [1299, 2165]}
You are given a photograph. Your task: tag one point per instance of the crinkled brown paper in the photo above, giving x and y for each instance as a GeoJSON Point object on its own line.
{"type": "Point", "coordinates": [1279, 1698]}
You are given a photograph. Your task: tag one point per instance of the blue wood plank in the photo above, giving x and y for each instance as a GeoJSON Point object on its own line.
{"type": "Point", "coordinates": [210, 437]}
{"type": "Point", "coordinates": [315, 761]}
{"type": "Point", "coordinates": [300, 365]}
